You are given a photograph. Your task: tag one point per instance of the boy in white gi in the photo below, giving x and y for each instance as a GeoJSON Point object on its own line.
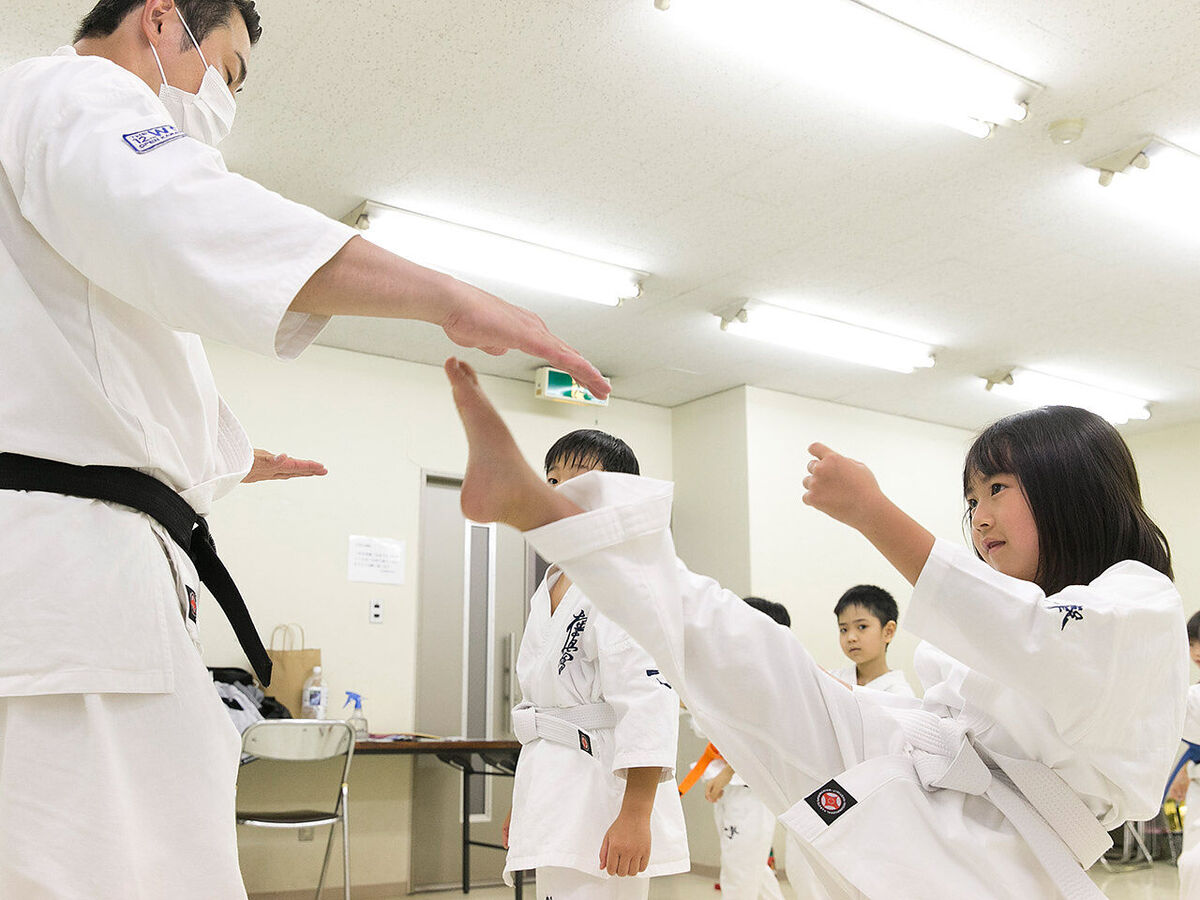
{"type": "Point", "coordinates": [1184, 788]}
{"type": "Point", "coordinates": [866, 617]}
{"type": "Point", "coordinates": [745, 827]}
{"type": "Point", "coordinates": [595, 807]}
{"type": "Point", "coordinates": [1053, 696]}
{"type": "Point", "coordinates": [123, 240]}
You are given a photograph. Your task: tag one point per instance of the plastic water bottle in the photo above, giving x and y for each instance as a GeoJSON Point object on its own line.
{"type": "Point", "coordinates": [357, 720]}
{"type": "Point", "coordinates": [312, 697]}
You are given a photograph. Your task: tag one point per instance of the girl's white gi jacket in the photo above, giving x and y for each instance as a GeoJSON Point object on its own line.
{"type": "Point", "coordinates": [1080, 694]}
{"type": "Point", "coordinates": [564, 798]}
{"type": "Point", "coordinates": [122, 242]}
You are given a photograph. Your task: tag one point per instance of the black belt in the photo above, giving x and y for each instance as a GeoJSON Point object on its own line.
{"type": "Point", "coordinates": [130, 487]}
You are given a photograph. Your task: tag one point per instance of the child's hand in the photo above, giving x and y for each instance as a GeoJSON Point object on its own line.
{"type": "Point", "coordinates": [716, 788]}
{"type": "Point", "coordinates": [626, 847]}
{"type": "Point", "coordinates": [841, 487]}
{"type": "Point", "coordinates": [504, 830]}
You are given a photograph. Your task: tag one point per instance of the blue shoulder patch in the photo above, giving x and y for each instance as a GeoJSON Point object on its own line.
{"type": "Point", "coordinates": [151, 138]}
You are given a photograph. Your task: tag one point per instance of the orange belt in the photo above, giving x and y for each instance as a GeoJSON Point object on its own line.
{"type": "Point", "coordinates": [710, 753]}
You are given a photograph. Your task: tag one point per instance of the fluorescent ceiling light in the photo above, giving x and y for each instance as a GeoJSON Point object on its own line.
{"type": "Point", "coordinates": [1038, 389]}
{"type": "Point", "coordinates": [828, 337]}
{"type": "Point", "coordinates": [470, 252]}
{"type": "Point", "coordinates": [845, 45]}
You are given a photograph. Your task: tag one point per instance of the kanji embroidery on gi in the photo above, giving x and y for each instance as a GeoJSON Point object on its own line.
{"type": "Point", "coordinates": [571, 645]}
{"type": "Point", "coordinates": [1070, 613]}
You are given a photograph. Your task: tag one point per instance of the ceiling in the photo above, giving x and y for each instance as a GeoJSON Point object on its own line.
{"type": "Point", "coordinates": [599, 126]}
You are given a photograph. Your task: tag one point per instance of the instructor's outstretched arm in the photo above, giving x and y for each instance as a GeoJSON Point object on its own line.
{"type": "Point", "coordinates": [365, 280]}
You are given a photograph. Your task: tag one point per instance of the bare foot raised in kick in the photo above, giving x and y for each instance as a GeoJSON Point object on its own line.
{"type": "Point", "coordinates": [499, 485]}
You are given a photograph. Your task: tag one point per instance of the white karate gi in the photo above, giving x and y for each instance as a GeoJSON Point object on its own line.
{"type": "Point", "coordinates": [1189, 858]}
{"type": "Point", "coordinates": [890, 682]}
{"type": "Point", "coordinates": [564, 799]}
{"type": "Point", "coordinates": [119, 760]}
{"type": "Point", "coordinates": [800, 874]}
{"type": "Point", "coordinates": [746, 831]}
{"type": "Point", "coordinates": [1081, 692]}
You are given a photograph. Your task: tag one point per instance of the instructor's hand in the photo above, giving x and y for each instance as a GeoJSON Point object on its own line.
{"type": "Point", "coordinates": [626, 847]}
{"type": "Point", "coordinates": [483, 321]}
{"type": "Point", "coordinates": [841, 487]}
{"type": "Point", "coordinates": [270, 466]}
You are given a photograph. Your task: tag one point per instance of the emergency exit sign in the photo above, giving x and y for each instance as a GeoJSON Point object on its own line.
{"type": "Point", "coordinates": [552, 384]}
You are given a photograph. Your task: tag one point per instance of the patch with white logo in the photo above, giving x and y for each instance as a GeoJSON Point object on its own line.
{"type": "Point", "coordinates": [151, 138]}
{"type": "Point", "coordinates": [829, 801]}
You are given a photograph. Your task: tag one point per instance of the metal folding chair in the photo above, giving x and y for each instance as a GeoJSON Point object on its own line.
{"type": "Point", "coordinates": [305, 740]}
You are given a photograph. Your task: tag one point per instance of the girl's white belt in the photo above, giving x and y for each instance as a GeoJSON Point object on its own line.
{"type": "Point", "coordinates": [1059, 828]}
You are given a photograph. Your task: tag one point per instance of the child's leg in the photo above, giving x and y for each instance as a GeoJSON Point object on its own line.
{"type": "Point", "coordinates": [747, 829]}
{"type": "Point", "coordinates": [1189, 858]}
{"type": "Point", "coordinates": [557, 883]}
{"type": "Point", "coordinates": [783, 723]}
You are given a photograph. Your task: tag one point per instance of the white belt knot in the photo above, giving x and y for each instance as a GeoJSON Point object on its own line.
{"type": "Point", "coordinates": [943, 755]}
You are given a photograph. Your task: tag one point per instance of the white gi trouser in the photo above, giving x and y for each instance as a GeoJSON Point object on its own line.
{"type": "Point", "coordinates": [1189, 858]}
{"type": "Point", "coordinates": [745, 829]}
{"type": "Point", "coordinates": [559, 882]}
{"type": "Point", "coordinates": [145, 781]}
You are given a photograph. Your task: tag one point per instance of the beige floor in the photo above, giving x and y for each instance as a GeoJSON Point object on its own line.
{"type": "Point", "coordinates": [1158, 883]}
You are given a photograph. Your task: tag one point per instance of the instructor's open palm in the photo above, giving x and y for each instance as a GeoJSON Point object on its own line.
{"type": "Point", "coordinates": [485, 322]}
{"type": "Point", "coordinates": [840, 487]}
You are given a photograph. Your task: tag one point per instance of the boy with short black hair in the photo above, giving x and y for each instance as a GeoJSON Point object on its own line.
{"type": "Point", "coordinates": [866, 617]}
{"type": "Point", "coordinates": [594, 794]}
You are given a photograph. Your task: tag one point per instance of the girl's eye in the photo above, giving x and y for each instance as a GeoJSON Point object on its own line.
{"type": "Point", "coordinates": [997, 488]}
{"type": "Point", "coordinates": [971, 504]}
{"type": "Point", "coordinates": [552, 480]}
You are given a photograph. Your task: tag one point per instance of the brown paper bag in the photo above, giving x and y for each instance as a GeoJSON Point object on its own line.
{"type": "Point", "coordinates": [291, 666]}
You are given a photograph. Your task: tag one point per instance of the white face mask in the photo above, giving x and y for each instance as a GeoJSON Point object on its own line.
{"type": "Point", "coordinates": [206, 116]}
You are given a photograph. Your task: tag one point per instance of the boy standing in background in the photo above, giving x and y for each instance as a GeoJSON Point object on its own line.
{"type": "Point", "coordinates": [866, 617]}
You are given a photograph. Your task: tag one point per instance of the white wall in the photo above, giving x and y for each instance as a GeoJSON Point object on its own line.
{"type": "Point", "coordinates": [376, 423]}
{"type": "Point", "coordinates": [1166, 462]}
{"type": "Point", "coordinates": [806, 560]}
{"type": "Point", "coordinates": [711, 512]}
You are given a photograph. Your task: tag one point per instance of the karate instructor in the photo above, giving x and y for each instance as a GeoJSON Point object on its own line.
{"type": "Point", "coordinates": [123, 240]}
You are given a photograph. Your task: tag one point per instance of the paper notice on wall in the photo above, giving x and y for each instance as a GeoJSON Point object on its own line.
{"type": "Point", "coordinates": [376, 560]}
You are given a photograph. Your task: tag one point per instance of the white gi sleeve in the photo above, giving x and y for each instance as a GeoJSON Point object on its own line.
{"type": "Point", "coordinates": [169, 230]}
{"type": "Point", "coordinates": [647, 730]}
{"type": "Point", "coordinates": [784, 725]}
{"type": "Point", "coordinates": [1087, 655]}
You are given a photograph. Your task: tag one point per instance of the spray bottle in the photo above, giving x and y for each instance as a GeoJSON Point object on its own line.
{"type": "Point", "coordinates": [357, 720]}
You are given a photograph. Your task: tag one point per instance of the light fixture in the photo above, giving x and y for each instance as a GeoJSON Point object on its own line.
{"type": "Point", "coordinates": [472, 252]}
{"type": "Point", "coordinates": [847, 45]}
{"type": "Point", "coordinates": [1039, 389]}
{"type": "Point", "coordinates": [1066, 131]}
{"type": "Point", "coordinates": [827, 337]}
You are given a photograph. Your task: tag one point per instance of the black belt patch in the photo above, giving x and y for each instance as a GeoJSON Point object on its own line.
{"type": "Point", "coordinates": [829, 801]}
{"type": "Point", "coordinates": [585, 743]}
